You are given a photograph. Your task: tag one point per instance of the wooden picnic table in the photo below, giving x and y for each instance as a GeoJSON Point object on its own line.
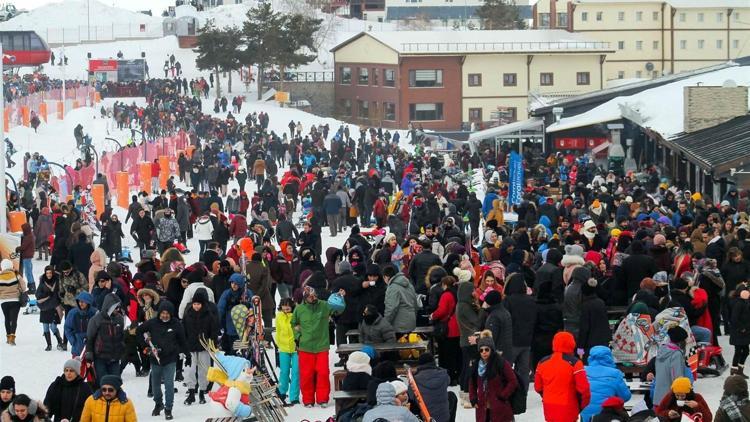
{"type": "Point", "coordinates": [344, 350]}
{"type": "Point", "coordinates": [346, 399]}
{"type": "Point", "coordinates": [639, 387]}
{"type": "Point", "coordinates": [425, 331]}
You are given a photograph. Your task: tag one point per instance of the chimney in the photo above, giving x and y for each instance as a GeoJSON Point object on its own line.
{"type": "Point", "coordinates": [708, 106]}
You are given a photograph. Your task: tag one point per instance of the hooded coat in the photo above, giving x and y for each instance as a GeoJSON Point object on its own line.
{"type": "Point", "coordinates": [605, 381]}
{"type": "Point", "coordinates": [561, 381]}
{"type": "Point", "coordinates": [43, 228]}
{"type": "Point", "coordinates": [386, 409]}
{"type": "Point", "coordinates": [168, 337]}
{"type": "Point", "coordinates": [499, 322]}
{"type": "Point", "coordinates": [670, 365]}
{"type": "Point", "coordinates": [493, 389]}
{"type": "Point", "coordinates": [433, 382]}
{"type": "Point", "coordinates": [401, 304]}
{"type": "Point", "coordinates": [467, 314]}
{"type": "Point", "coordinates": [380, 331]}
{"type": "Point", "coordinates": [104, 334]}
{"type": "Point", "coordinates": [522, 309]}
{"type": "Point", "coordinates": [572, 299]}
{"type": "Point", "coordinates": [200, 324]}
{"type": "Point", "coordinates": [65, 399]}
{"type": "Point", "coordinates": [551, 272]}
{"type": "Point", "coordinates": [77, 321]}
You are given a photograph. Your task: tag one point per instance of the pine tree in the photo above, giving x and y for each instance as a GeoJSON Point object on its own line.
{"type": "Point", "coordinates": [500, 14]}
{"type": "Point", "coordinates": [217, 50]}
{"type": "Point", "coordinates": [261, 32]}
{"type": "Point", "coordinates": [297, 40]}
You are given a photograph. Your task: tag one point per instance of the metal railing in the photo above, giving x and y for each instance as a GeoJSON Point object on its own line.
{"type": "Point", "coordinates": [447, 47]}
{"type": "Point", "coordinates": [301, 76]}
{"type": "Point", "coordinates": [79, 34]}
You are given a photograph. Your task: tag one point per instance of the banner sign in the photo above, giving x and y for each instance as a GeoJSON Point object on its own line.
{"type": "Point", "coordinates": [515, 172]}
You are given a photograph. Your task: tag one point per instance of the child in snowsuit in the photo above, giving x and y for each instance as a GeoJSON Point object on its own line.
{"type": "Point", "coordinates": [289, 364]}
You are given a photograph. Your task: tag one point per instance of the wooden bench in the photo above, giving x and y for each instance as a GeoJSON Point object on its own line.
{"type": "Point", "coordinates": [340, 374]}
{"type": "Point", "coordinates": [425, 331]}
{"type": "Point", "coordinates": [346, 399]}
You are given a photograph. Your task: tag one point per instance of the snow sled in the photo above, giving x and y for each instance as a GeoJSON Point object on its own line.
{"type": "Point", "coordinates": [125, 255]}
{"type": "Point", "coordinates": [32, 307]}
{"type": "Point", "coordinates": [711, 362]}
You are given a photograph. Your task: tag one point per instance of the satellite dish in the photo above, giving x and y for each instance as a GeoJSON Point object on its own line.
{"type": "Point", "coordinates": [649, 66]}
{"type": "Point", "coordinates": [729, 83]}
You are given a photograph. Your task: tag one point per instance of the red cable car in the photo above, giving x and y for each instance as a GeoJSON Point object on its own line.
{"type": "Point", "coordinates": [23, 48]}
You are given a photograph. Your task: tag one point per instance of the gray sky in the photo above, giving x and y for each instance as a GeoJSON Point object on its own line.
{"type": "Point", "coordinates": [156, 6]}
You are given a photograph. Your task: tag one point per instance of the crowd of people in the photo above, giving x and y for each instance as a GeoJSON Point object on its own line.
{"type": "Point", "coordinates": [517, 295]}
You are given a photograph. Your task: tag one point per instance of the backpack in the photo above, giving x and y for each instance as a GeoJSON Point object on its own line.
{"type": "Point", "coordinates": [517, 400]}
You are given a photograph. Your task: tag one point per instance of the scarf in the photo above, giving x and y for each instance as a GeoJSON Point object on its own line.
{"type": "Point", "coordinates": [482, 368]}
{"type": "Point", "coordinates": [731, 405]}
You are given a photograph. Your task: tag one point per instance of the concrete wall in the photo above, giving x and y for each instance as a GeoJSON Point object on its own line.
{"type": "Point", "coordinates": [708, 106]}
{"type": "Point", "coordinates": [319, 94]}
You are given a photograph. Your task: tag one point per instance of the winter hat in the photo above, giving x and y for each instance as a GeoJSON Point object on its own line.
{"type": "Point", "coordinates": [615, 232]}
{"type": "Point", "coordinates": [7, 383]}
{"type": "Point", "coordinates": [114, 269]}
{"type": "Point", "coordinates": [575, 250]}
{"type": "Point", "coordinates": [589, 288]}
{"type": "Point", "coordinates": [112, 380]}
{"type": "Point", "coordinates": [596, 204]}
{"type": "Point", "coordinates": [629, 199]}
{"type": "Point", "coordinates": [487, 235]}
{"type": "Point", "coordinates": [427, 358]}
{"type": "Point", "coordinates": [369, 351]}
{"type": "Point", "coordinates": [486, 342]}
{"type": "Point", "coordinates": [359, 362]}
{"type": "Point", "coordinates": [237, 278]}
{"type": "Point", "coordinates": [593, 256]}
{"type": "Point", "coordinates": [696, 196]}
{"type": "Point", "coordinates": [355, 229]}
{"type": "Point", "coordinates": [386, 393]}
{"type": "Point", "coordinates": [639, 308]}
{"type": "Point", "coordinates": [588, 225]}
{"type": "Point", "coordinates": [554, 256]}
{"type": "Point", "coordinates": [492, 298]}
{"type": "Point", "coordinates": [462, 275]}
{"type": "Point", "coordinates": [681, 385]}
{"type": "Point", "coordinates": [734, 384]}
{"type": "Point", "coordinates": [580, 275]}
{"type": "Point", "coordinates": [679, 284]}
{"type": "Point", "coordinates": [660, 240]}
{"type": "Point", "coordinates": [399, 386]}
{"type": "Point", "coordinates": [6, 265]}
{"type": "Point", "coordinates": [308, 291]}
{"type": "Point", "coordinates": [614, 402]}
{"type": "Point", "coordinates": [102, 275]}
{"type": "Point", "coordinates": [677, 334]}
{"type": "Point", "coordinates": [195, 276]}
{"type": "Point", "coordinates": [344, 267]}
{"type": "Point", "coordinates": [73, 364]}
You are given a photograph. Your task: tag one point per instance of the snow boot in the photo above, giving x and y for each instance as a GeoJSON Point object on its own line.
{"type": "Point", "coordinates": [7, 339]}
{"type": "Point", "coordinates": [60, 344]}
{"type": "Point", "coordinates": [12, 340]}
{"type": "Point", "coordinates": [168, 414]}
{"type": "Point", "coordinates": [191, 397]}
{"type": "Point", "coordinates": [741, 371]}
{"type": "Point", "coordinates": [157, 410]}
{"type": "Point", "coordinates": [48, 339]}
{"type": "Point", "coordinates": [179, 377]}
{"type": "Point", "coordinates": [201, 397]}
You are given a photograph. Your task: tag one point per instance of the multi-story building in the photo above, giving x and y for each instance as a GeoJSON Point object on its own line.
{"type": "Point", "coordinates": [447, 79]}
{"type": "Point", "coordinates": [425, 14]}
{"type": "Point", "coordinates": [654, 37]}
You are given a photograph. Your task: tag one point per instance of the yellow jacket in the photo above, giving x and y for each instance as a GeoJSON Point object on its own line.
{"type": "Point", "coordinates": [99, 410]}
{"type": "Point", "coordinates": [284, 332]}
{"type": "Point", "coordinates": [496, 213]}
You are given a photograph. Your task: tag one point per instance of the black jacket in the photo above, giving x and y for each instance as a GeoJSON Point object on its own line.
{"type": "Point", "coordinates": [551, 273]}
{"type": "Point", "coordinates": [740, 322]}
{"type": "Point", "coordinates": [734, 273]}
{"type": "Point", "coordinates": [355, 381]}
{"type": "Point", "coordinates": [594, 326]}
{"type": "Point", "coordinates": [354, 297]}
{"type": "Point", "coordinates": [418, 269]}
{"type": "Point", "coordinates": [522, 309]}
{"type": "Point", "coordinates": [200, 324]}
{"type": "Point", "coordinates": [683, 300]}
{"type": "Point", "coordinates": [634, 269]}
{"type": "Point", "coordinates": [499, 322]}
{"type": "Point", "coordinates": [65, 399]}
{"type": "Point", "coordinates": [80, 255]}
{"type": "Point", "coordinates": [168, 337]}
{"type": "Point", "coordinates": [104, 334]}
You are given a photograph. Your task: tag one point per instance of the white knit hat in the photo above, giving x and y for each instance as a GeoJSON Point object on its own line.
{"type": "Point", "coordinates": [359, 362]}
{"type": "Point", "coordinates": [6, 265]}
{"type": "Point", "coordinates": [462, 275]}
{"type": "Point", "coordinates": [399, 386]}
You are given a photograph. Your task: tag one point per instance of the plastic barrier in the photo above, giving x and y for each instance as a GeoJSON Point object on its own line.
{"type": "Point", "coordinates": [60, 109]}
{"type": "Point", "coordinates": [43, 111]}
{"type": "Point", "coordinates": [17, 219]}
{"type": "Point", "coordinates": [164, 171]}
{"type": "Point", "coordinates": [123, 189]}
{"type": "Point", "coordinates": [97, 194]}
{"type": "Point", "coordinates": [144, 170]}
{"type": "Point", "coordinates": [6, 119]}
{"type": "Point", "coordinates": [25, 116]}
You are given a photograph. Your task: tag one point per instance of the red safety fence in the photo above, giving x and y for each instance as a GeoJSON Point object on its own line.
{"type": "Point", "coordinates": [18, 111]}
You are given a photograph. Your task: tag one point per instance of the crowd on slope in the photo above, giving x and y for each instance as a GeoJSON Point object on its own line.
{"type": "Point", "coordinates": [516, 299]}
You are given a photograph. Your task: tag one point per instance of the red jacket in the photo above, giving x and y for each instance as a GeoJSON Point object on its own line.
{"type": "Point", "coordinates": [155, 169]}
{"type": "Point", "coordinates": [494, 395]}
{"type": "Point", "coordinates": [380, 210]}
{"type": "Point", "coordinates": [238, 227]}
{"type": "Point", "coordinates": [669, 402]}
{"type": "Point", "coordinates": [561, 381]}
{"type": "Point", "coordinates": [446, 310]}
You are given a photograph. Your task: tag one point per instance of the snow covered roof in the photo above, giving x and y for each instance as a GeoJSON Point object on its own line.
{"type": "Point", "coordinates": [453, 42]}
{"type": "Point", "coordinates": [680, 4]}
{"type": "Point", "coordinates": [659, 109]}
{"type": "Point", "coordinates": [534, 123]}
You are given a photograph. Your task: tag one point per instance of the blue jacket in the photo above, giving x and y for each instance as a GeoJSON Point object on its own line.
{"type": "Point", "coordinates": [77, 321]}
{"type": "Point", "coordinates": [229, 299]}
{"type": "Point", "coordinates": [487, 203]}
{"type": "Point", "coordinates": [676, 217]}
{"type": "Point", "coordinates": [605, 381]}
{"type": "Point", "coordinates": [332, 204]}
{"type": "Point", "coordinates": [407, 185]}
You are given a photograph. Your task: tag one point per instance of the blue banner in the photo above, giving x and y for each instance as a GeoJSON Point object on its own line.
{"type": "Point", "coordinates": [515, 173]}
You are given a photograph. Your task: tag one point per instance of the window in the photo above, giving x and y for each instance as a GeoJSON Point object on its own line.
{"type": "Point", "coordinates": [620, 16]}
{"type": "Point", "coordinates": [544, 20]}
{"type": "Point", "coordinates": [720, 17]}
{"type": "Point", "coordinates": [620, 45]}
{"type": "Point", "coordinates": [683, 44]}
{"type": "Point", "coordinates": [599, 16]}
{"type": "Point", "coordinates": [701, 44]}
{"type": "Point", "coordinates": [419, 112]}
{"type": "Point", "coordinates": [719, 44]}
{"type": "Point", "coordinates": [346, 75]}
{"type": "Point", "coordinates": [510, 79]}
{"type": "Point", "coordinates": [506, 114]}
{"type": "Point", "coordinates": [345, 107]}
{"type": "Point", "coordinates": [639, 45]}
{"type": "Point", "coordinates": [638, 16]}
{"type": "Point", "coordinates": [655, 16]}
{"type": "Point", "coordinates": [363, 109]}
{"type": "Point", "coordinates": [36, 43]}
{"type": "Point", "coordinates": [655, 45]}
{"type": "Point", "coordinates": [638, 74]}
{"type": "Point", "coordinates": [683, 17]}
{"type": "Point", "coordinates": [475, 114]}
{"type": "Point", "coordinates": [584, 16]}
{"type": "Point", "coordinates": [735, 44]}
{"type": "Point", "coordinates": [583, 78]}
{"type": "Point", "coordinates": [389, 111]}
{"type": "Point", "coordinates": [562, 19]}
{"type": "Point", "coordinates": [475, 79]}
{"type": "Point", "coordinates": [701, 17]}
{"type": "Point", "coordinates": [620, 74]}
{"type": "Point", "coordinates": [389, 77]}
{"type": "Point", "coordinates": [364, 76]}
{"type": "Point", "coordinates": [425, 78]}
{"type": "Point", "coordinates": [546, 79]}
{"type": "Point", "coordinates": [374, 76]}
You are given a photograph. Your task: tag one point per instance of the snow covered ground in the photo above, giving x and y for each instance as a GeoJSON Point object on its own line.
{"type": "Point", "coordinates": [34, 369]}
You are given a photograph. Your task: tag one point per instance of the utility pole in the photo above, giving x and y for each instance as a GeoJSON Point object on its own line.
{"type": "Point", "coordinates": [3, 190]}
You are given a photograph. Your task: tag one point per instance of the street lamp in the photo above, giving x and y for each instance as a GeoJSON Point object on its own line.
{"type": "Point", "coordinates": [67, 173]}
{"type": "Point", "coordinates": [15, 187]}
{"type": "Point", "coordinates": [122, 155]}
